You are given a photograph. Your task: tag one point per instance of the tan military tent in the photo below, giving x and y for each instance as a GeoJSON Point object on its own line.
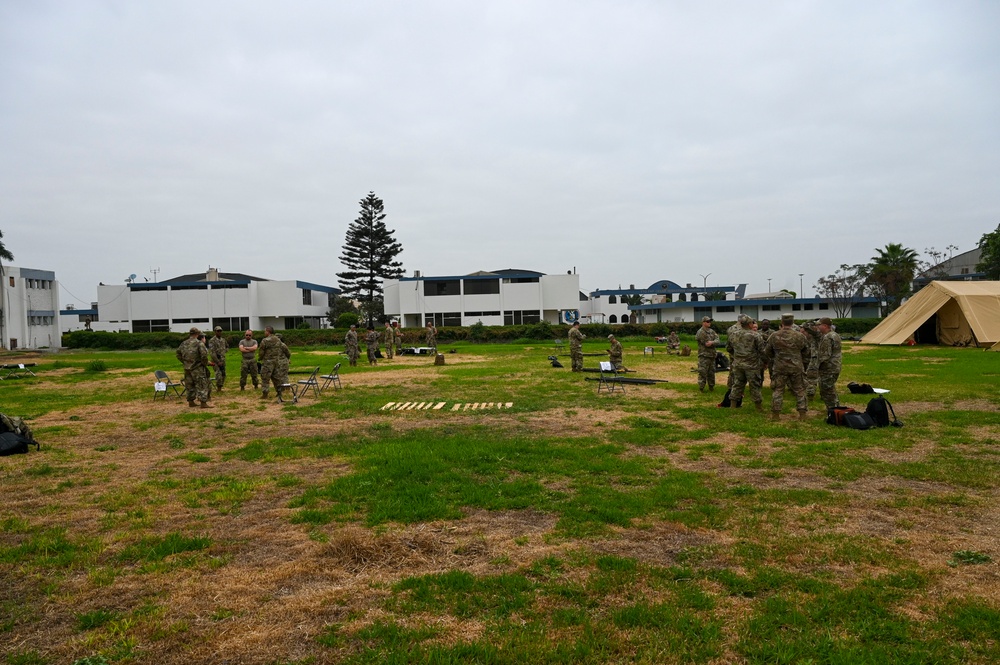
{"type": "Point", "coordinates": [950, 313]}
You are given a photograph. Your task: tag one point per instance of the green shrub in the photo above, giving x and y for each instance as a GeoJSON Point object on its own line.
{"type": "Point", "coordinates": [97, 366]}
{"type": "Point", "coordinates": [347, 319]}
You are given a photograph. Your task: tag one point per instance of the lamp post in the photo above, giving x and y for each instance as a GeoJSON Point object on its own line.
{"type": "Point", "coordinates": [802, 293]}
{"type": "Point", "coordinates": [704, 280]}
{"type": "Point", "coordinates": [768, 284]}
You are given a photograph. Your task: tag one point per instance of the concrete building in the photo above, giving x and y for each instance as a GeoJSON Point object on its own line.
{"type": "Point", "coordinates": [498, 297]}
{"type": "Point", "coordinates": [620, 305]}
{"type": "Point", "coordinates": [959, 268]}
{"type": "Point", "coordinates": [233, 301]}
{"type": "Point", "coordinates": [29, 300]}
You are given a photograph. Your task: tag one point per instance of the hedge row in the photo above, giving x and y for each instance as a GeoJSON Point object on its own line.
{"type": "Point", "coordinates": [83, 339]}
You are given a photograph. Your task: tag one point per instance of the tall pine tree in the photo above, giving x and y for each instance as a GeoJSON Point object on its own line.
{"type": "Point", "coordinates": [370, 252]}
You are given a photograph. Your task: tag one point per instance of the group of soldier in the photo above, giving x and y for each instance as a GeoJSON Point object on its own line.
{"type": "Point", "coordinates": [800, 358]}
{"type": "Point", "coordinates": [391, 340]}
{"type": "Point", "coordinates": [198, 356]}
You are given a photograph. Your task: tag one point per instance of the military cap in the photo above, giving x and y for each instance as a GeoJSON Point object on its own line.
{"type": "Point", "coordinates": [611, 336]}
{"type": "Point", "coordinates": [706, 318]}
{"type": "Point", "coordinates": [218, 328]}
{"type": "Point", "coordinates": [194, 331]}
{"type": "Point", "coordinates": [788, 317]}
{"type": "Point", "coordinates": [742, 318]}
{"type": "Point", "coordinates": [826, 321]}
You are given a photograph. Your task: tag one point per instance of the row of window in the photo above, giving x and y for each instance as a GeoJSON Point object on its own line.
{"type": "Point", "coordinates": [470, 287]}
{"type": "Point", "coordinates": [36, 283]}
{"type": "Point", "coordinates": [40, 320]}
{"type": "Point", "coordinates": [796, 307]}
{"type": "Point", "coordinates": [614, 319]}
{"type": "Point", "coordinates": [511, 318]}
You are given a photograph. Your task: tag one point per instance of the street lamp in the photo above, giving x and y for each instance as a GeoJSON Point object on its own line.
{"type": "Point", "coordinates": [802, 293]}
{"type": "Point", "coordinates": [768, 284]}
{"type": "Point", "coordinates": [704, 280]}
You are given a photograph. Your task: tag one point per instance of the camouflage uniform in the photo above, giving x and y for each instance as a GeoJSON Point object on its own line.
{"type": "Point", "coordinates": [616, 353]}
{"type": "Point", "coordinates": [282, 365]}
{"type": "Point", "coordinates": [351, 345]}
{"type": "Point", "coordinates": [432, 337]}
{"type": "Point", "coordinates": [765, 334]}
{"type": "Point", "coordinates": [790, 352]}
{"type": "Point", "coordinates": [248, 362]}
{"type": "Point", "coordinates": [397, 334]}
{"type": "Point", "coordinates": [747, 348]}
{"type": "Point", "coordinates": [371, 345]}
{"type": "Point", "coordinates": [576, 348]}
{"type": "Point", "coordinates": [388, 339]}
{"type": "Point", "coordinates": [812, 369]}
{"type": "Point", "coordinates": [706, 357]}
{"type": "Point", "coordinates": [829, 357]}
{"type": "Point", "coordinates": [217, 348]}
{"type": "Point", "coordinates": [673, 341]}
{"type": "Point", "coordinates": [730, 331]}
{"type": "Point", "coordinates": [194, 356]}
{"type": "Point", "coordinates": [270, 350]}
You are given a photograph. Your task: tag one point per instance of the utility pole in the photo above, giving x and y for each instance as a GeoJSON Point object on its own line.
{"type": "Point", "coordinates": [155, 271]}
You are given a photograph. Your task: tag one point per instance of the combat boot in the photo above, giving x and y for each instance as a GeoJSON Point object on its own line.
{"type": "Point", "coordinates": [776, 415]}
{"type": "Point", "coordinates": [758, 406]}
{"type": "Point", "coordinates": [803, 415]}
{"type": "Point", "coordinates": [191, 404]}
{"type": "Point", "coordinates": [206, 405]}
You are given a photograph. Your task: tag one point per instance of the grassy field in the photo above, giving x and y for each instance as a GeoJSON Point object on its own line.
{"type": "Point", "coordinates": [573, 527]}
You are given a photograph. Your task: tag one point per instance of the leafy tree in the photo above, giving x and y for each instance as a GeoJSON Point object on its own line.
{"type": "Point", "coordinates": [4, 252]}
{"type": "Point", "coordinates": [370, 252]}
{"type": "Point", "coordinates": [347, 319]}
{"type": "Point", "coordinates": [341, 305]}
{"type": "Point", "coordinates": [890, 274]}
{"type": "Point", "coordinates": [989, 260]}
{"type": "Point", "coordinates": [844, 288]}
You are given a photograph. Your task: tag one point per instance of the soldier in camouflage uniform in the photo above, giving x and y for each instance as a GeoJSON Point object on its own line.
{"type": "Point", "coordinates": [747, 349]}
{"type": "Point", "coordinates": [829, 358]}
{"type": "Point", "coordinates": [397, 337]}
{"type": "Point", "coordinates": [217, 348]}
{"type": "Point", "coordinates": [813, 335]}
{"type": "Point", "coordinates": [351, 346]}
{"type": "Point", "coordinates": [730, 331]}
{"type": "Point", "coordinates": [576, 346]}
{"type": "Point", "coordinates": [208, 372]}
{"type": "Point", "coordinates": [388, 339]}
{"type": "Point", "coordinates": [248, 362]}
{"type": "Point", "coordinates": [282, 366]}
{"type": "Point", "coordinates": [371, 345]}
{"type": "Point", "coordinates": [790, 352]}
{"type": "Point", "coordinates": [765, 334]}
{"type": "Point", "coordinates": [616, 353]}
{"type": "Point", "coordinates": [270, 350]}
{"type": "Point", "coordinates": [194, 356]}
{"type": "Point", "coordinates": [673, 341]}
{"type": "Point", "coordinates": [707, 340]}
{"type": "Point", "coordinates": [431, 333]}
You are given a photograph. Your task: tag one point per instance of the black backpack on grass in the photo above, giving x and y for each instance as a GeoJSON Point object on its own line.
{"type": "Point", "coordinates": [15, 436]}
{"type": "Point", "coordinates": [882, 413]}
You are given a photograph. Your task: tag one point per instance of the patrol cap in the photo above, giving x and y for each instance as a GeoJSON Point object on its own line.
{"type": "Point", "coordinates": [826, 321]}
{"type": "Point", "coordinates": [611, 336]}
{"type": "Point", "coordinates": [743, 318]}
{"type": "Point", "coordinates": [194, 331]}
{"type": "Point", "coordinates": [706, 318]}
{"type": "Point", "coordinates": [788, 317]}
{"type": "Point", "coordinates": [218, 328]}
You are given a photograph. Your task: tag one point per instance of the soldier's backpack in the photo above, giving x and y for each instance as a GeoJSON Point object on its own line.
{"type": "Point", "coordinates": [15, 436]}
{"type": "Point", "coordinates": [860, 388]}
{"type": "Point", "coordinates": [880, 409]}
{"type": "Point", "coordinates": [845, 416]}
{"type": "Point", "coordinates": [685, 350]}
{"type": "Point", "coordinates": [835, 416]}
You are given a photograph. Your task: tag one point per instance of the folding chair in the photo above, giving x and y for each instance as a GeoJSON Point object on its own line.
{"type": "Point", "coordinates": [609, 378]}
{"type": "Point", "coordinates": [163, 380]}
{"type": "Point", "coordinates": [290, 387]}
{"type": "Point", "coordinates": [333, 378]}
{"type": "Point", "coordinates": [311, 382]}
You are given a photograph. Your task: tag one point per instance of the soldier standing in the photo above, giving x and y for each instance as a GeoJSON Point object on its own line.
{"type": "Point", "coordinates": [371, 345]}
{"type": "Point", "coordinates": [217, 348]}
{"type": "Point", "coordinates": [388, 339]}
{"type": "Point", "coordinates": [576, 346]}
{"type": "Point", "coordinates": [248, 362]}
{"type": "Point", "coordinates": [765, 334]}
{"type": "Point", "coordinates": [829, 358]}
{"type": "Point", "coordinates": [351, 345]}
{"type": "Point", "coordinates": [194, 356]}
{"type": "Point", "coordinates": [616, 353]}
{"type": "Point", "coordinates": [397, 333]}
{"type": "Point", "coordinates": [812, 368]}
{"type": "Point", "coordinates": [270, 350]}
{"type": "Point", "coordinates": [790, 352]}
{"type": "Point", "coordinates": [747, 349]}
{"type": "Point", "coordinates": [432, 337]}
{"type": "Point", "coordinates": [708, 340]}
{"type": "Point", "coordinates": [282, 366]}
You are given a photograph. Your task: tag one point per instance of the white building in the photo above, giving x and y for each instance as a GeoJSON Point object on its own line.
{"type": "Point", "coordinates": [233, 301]}
{"type": "Point", "coordinates": [29, 300]}
{"type": "Point", "coordinates": [495, 298]}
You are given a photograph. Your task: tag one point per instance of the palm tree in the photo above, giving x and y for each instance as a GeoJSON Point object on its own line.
{"type": "Point", "coordinates": [4, 254]}
{"type": "Point", "coordinates": [891, 273]}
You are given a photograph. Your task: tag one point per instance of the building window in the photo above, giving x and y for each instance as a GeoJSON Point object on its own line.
{"type": "Point", "coordinates": [624, 318]}
{"type": "Point", "coordinates": [446, 319]}
{"type": "Point", "coordinates": [965, 271]}
{"type": "Point", "coordinates": [612, 301]}
{"type": "Point", "coordinates": [808, 306]}
{"type": "Point", "coordinates": [193, 287]}
{"type": "Point", "coordinates": [796, 307]}
{"type": "Point", "coordinates": [307, 297]}
{"type": "Point", "coordinates": [12, 281]}
{"type": "Point", "coordinates": [148, 288]}
{"type": "Point", "coordinates": [151, 325]}
{"type": "Point", "coordinates": [232, 323]}
{"type": "Point", "coordinates": [471, 314]}
{"type": "Point", "coordinates": [824, 305]}
{"type": "Point", "coordinates": [443, 287]}
{"type": "Point", "coordinates": [230, 286]}
{"type": "Point", "coordinates": [725, 308]}
{"type": "Point", "coordinates": [521, 317]}
{"type": "Point", "coordinates": [520, 280]}
{"type": "Point", "coordinates": [771, 308]}
{"type": "Point", "coordinates": [476, 287]}
{"type": "Point", "coordinates": [205, 320]}
{"type": "Point", "coordinates": [702, 311]}
{"type": "Point", "coordinates": [612, 319]}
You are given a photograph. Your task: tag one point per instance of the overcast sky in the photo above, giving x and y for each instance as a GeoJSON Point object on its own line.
{"type": "Point", "coordinates": [702, 142]}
